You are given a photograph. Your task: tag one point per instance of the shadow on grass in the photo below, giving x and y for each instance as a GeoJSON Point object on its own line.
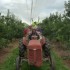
{"type": "Point", "coordinates": [45, 66]}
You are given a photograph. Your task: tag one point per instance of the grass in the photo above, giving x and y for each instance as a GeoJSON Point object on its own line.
{"type": "Point", "coordinates": [45, 66]}
{"type": "Point", "coordinates": [9, 64]}
{"type": "Point", "coordinates": [59, 65]}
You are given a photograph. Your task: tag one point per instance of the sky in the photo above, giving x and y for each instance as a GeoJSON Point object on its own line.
{"type": "Point", "coordinates": [41, 8]}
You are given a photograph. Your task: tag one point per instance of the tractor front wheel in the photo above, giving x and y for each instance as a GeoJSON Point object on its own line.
{"type": "Point", "coordinates": [52, 63]}
{"type": "Point", "coordinates": [18, 63]}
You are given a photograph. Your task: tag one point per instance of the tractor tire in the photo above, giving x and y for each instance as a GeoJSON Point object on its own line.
{"type": "Point", "coordinates": [18, 62]}
{"type": "Point", "coordinates": [22, 48]}
{"type": "Point", "coordinates": [21, 51]}
{"type": "Point", "coordinates": [52, 63]}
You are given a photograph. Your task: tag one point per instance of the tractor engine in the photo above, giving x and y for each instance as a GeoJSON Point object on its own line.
{"type": "Point", "coordinates": [34, 51]}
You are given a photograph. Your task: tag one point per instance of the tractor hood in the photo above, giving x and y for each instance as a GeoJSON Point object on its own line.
{"type": "Point", "coordinates": [34, 44]}
{"type": "Point", "coordinates": [35, 53]}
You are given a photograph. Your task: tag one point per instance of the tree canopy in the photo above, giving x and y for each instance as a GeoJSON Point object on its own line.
{"type": "Point", "coordinates": [57, 26]}
{"type": "Point", "coordinates": [10, 27]}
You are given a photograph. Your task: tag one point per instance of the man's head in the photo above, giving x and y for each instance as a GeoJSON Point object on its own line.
{"type": "Point", "coordinates": [30, 27]}
{"type": "Point", "coordinates": [34, 30]}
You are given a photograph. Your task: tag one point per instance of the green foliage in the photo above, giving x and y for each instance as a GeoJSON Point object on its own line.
{"type": "Point", "coordinates": [67, 8]}
{"type": "Point", "coordinates": [57, 26]}
{"type": "Point", "coordinates": [10, 28]}
{"type": "Point", "coordinates": [3, 43]}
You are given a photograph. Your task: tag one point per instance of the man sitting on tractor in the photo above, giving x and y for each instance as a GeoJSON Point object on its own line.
{"type": "Point", "coordinates": [34, 33]}
{"type": "Point", "coordinates": [30, 35]}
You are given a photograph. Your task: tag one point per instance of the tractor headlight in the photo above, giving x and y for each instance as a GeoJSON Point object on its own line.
{"type": "Point", "coordinates": [34, 49]}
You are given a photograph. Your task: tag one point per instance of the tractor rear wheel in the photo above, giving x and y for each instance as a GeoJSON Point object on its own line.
{"type": "Point", "coordinates": [22, 49]}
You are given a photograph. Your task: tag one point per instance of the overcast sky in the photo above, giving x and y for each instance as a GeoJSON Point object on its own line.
{"type": "Point", "coordinates": [41, 8]}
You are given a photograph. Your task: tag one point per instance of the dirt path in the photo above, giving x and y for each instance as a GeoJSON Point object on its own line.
{"type": "Point", "coordinates": [65, 55]}
{"type": "Point", "coordinates": [4, 52]}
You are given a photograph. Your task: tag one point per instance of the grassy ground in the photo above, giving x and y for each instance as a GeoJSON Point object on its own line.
{"type": "Point", "coordinates": [59, 65]}
{"type": "Point", "coordinates": [9, 64]}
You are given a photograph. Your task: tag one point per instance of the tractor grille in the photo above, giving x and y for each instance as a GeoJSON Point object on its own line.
{"type": "Point", "coordinates": [38, 55]}
{"type": "Point", "coordinates": [35, 55]}
{"type": "Point", "coordinates": [31, 55]}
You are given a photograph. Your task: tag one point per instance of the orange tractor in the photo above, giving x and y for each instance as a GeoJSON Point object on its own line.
{"type": "Point", "coordinates": [34, 52]}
